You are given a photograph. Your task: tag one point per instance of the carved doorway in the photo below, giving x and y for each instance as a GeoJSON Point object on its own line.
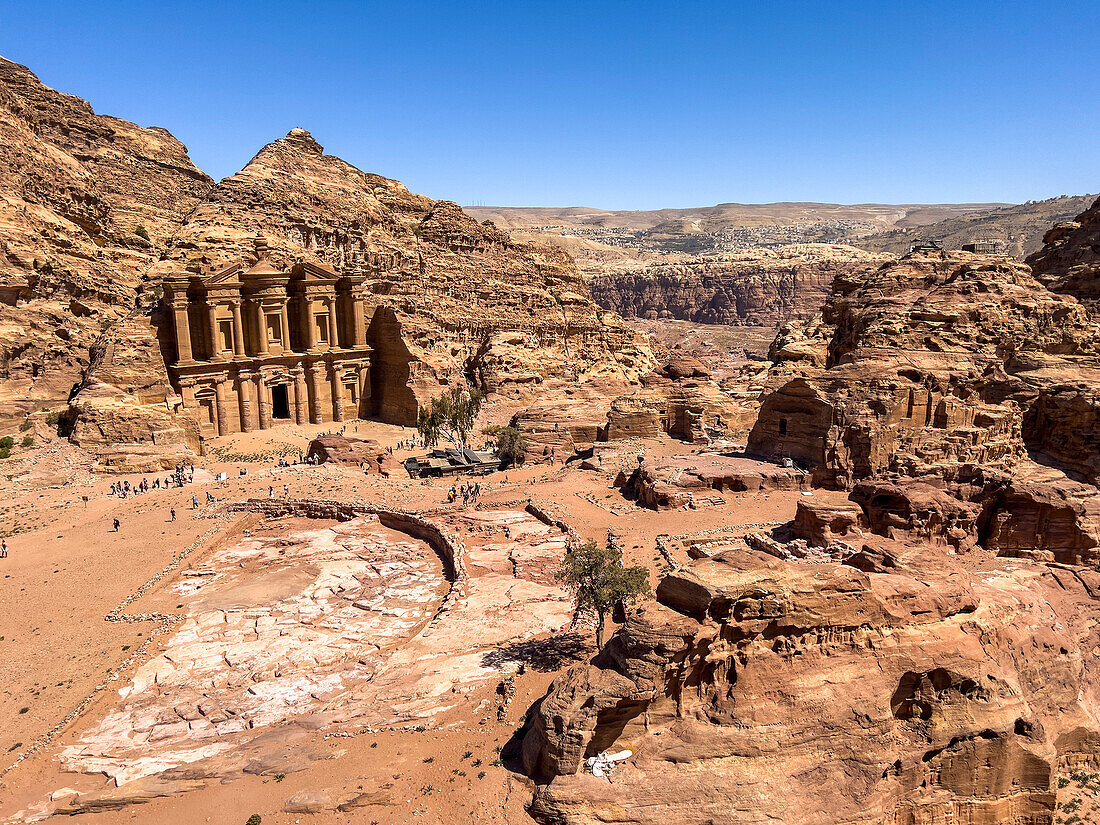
{"type": "Point", "coordinates": [280, 402]}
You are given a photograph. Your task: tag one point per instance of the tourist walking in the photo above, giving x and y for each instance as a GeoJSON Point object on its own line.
{"type": "Point", "coordinates": [173, 512]}
{"type": "Point", "coordinates": [4, 549]}
{"type": "Point", "coordinates": [117, 524]}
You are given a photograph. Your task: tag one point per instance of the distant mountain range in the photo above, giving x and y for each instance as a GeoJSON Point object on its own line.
{"type": "Point", "coordinates": [733, 226]}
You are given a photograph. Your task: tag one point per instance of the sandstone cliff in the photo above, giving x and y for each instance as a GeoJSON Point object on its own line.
{"type": "Point", "coordinates": [86, 201]}
{"type": "Point", "coordinates": [886, 684]}
{"type": "Point", "coordinates": [1069, 261]}
{"type": "Point", "coordinates": [96, 211]}
{"type": "Point", "coordinates": [760, 286]}
{"type": "Point", "coordinates": [457, 299]}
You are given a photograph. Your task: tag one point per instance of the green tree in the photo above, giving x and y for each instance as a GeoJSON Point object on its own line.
{"type": "Point", "coordinates": [7, 442]}
{"type": "Point", "coordinates": [511, 446]}
{"type": "Point", "coordinates": [450, 416]}
{"type": "Point", "coordinates": [599, 581]}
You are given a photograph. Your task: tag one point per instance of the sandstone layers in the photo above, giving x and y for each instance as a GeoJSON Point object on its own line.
{"type": "Point", "coordinates": [97, 211]}
{"type": "Point", "coordinates": [86, 202]}
{"type": "Point", "coordinates": [761, 286]}
{"type": "Point", "coordinates": [923, 652]}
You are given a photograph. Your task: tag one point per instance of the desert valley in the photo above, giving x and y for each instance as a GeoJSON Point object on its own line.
{"type": "Point", "coordinates": [295, 463]}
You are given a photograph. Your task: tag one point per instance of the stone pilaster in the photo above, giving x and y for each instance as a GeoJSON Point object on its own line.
{"type": "Point", "coordinates": [221, 409]}
{"type": "Point", "coordinates": [301, 397]}
{"type": "Point", "coordinates": [215, 345]}
{"type": "Point", "coordinates": [184, 354]}
{"type": "Point", "coordinates": [238, 330]}
{"type": "Point", "coordinates": [263, 399]}
{"type": "Point", "coordinates": [333, 340]}
{"type": "Point", "coordinates": [337, 392]}
{"type": "Point", "coordinates": [245, 387]}
{"type": "Point", "coordinates": [313, 378]}
{"type": "Point", "coordinates": [261, 328]}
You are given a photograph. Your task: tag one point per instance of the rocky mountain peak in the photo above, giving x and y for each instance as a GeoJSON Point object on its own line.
{"type": "Point", "coordinates": [301, 138]}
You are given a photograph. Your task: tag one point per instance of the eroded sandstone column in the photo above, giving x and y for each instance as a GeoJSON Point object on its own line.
{"type": "Point", "coordinates": [244, 382]}
{"type": "Point", "coordinates": [215, 345]}
{"type": "Point", "coordinates": [337, 393]}
{"type": "Point", "coordinates": [261, 328]}
{"type": "Point", "coordinates": [311, 327]}
{"type": "Point", "coordinates": [183, 332]}
{"type": "Point", "coordinates": [238, 331]}
{"type": "Point", "coordinates": [284, 320]}
{"type": "Point", "coordinates": [333, 341]}
{"type": "Point", "coordinates": [314, 379]}
{"type": "Point", "coordinates": [220, 406]}
{"type": "Point", "coordinates": [301, 398]}
{"type": "Point", "coordinates": [263, 399]}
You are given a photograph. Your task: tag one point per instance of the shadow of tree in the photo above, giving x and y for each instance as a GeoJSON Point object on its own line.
{"type": "Point", "coordinates": [543, 655]}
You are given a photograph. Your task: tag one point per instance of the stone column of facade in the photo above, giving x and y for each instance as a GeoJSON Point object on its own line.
{"type": "Point", "coordinates": [238, 331]}
{"type": "Point", "coordinates": [220, 408]}
{"type": "Point", "coordinates": [311, 328]}
{"type": "Point", "coordinates": [313, 376]}
{"type": "Point", "coordinates": [337, 393]}
{"type": "Point", "coordinates": [263, 402]}
{"type": "Point", "coordinates": [330, 305]}
{"type": "Point", "coordinates": [358, 306]}
{"type": "Point", "coordinates": [261, 328]}
{"type": "Point", "coordinates": [245, 382]}
{"type": "Point", "coordinates": [183, 332]}
{"type": "Point", "coordinates": [215, 347]}
{"type": "Point", "coordinates": [364, 389]}
{"type": "Point", "coordinates": [284, 320]}
{"type": "Point", "coordinates": [301, 398]}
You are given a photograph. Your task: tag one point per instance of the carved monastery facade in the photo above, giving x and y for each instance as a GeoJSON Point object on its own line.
{"type": "Point", "coordinates": [258, 346]}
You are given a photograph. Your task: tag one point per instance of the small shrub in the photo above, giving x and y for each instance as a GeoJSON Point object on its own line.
{"type": "Point", "coordinates": [427, 760]}
{"type": "Point", "coordinates": [279, 777]}
{"type": "Point", "coordinates": [7, 442]}
{"type": "Point", "coordinates": [5, 452]}
{"type": "Point", "coordinates": [15, 747]}
{"type": "Point", "coordinates": [481, 774]}
{"type": "Point", "coordinates": [467, 755]}
{"type": "Point", "coordinates": [25, 425]}
{"type": "Point", "coordinates": [476, 763]}
{"type": "Point", "coordinates": [28, 441]}
{"type": "Point", "coordinates": [142, 232]}
{"type": "Point", "coordinates": [253, 820]}
{"type": "Point", "coordinates": [23, 710]}
{"type": "Point", "coordinates": [52, 417]}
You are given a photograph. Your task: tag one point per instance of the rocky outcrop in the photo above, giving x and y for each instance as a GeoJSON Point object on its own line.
{"type": "Point", "coordinates": [759, 286]}
{"type": "Point", "coordinates": [687, 481]}
{"type": "Point", "coordinates": [97, 211]}
{"type": "Point", "coordinates": [86, 203]}
{"type": "Point", "coordinates": [1069, 261]}
{"type": "Point", "coordinates": [758, 690]}
{"type": "Point", "coordinates": [371, 456]}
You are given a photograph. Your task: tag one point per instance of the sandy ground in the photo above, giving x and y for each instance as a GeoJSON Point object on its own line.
{"type": "Point", "coordinates": [67, 570]}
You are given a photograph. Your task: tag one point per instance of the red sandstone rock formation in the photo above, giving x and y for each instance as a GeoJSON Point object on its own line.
{"type": "Point", "coordinates": [759, 286]}
{"type": "Point", "coordinates": [97, 210]}
{"type": "Point", "coordinates": [353, 452]}
{"type": "Point", "coordinates": [1069, 261]}
{"type": "Point", "coordinates": [86, 202]}
{"type": "Point", "coordinates": [892, 685]}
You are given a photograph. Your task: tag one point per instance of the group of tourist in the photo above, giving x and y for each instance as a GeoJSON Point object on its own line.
{"type": "Point", "coordinates": [180, 476]}
{"type": "Point", "coordinates": [469, 492]}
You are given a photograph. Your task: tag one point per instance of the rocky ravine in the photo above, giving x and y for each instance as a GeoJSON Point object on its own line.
{"type": "Point", "coordinates": [925, 652]}
{"type": "Point", "coordinates": [760, 286]}
{"type": "Point", "coordinates": [456, 299]}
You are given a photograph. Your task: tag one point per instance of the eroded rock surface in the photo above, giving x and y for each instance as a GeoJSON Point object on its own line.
{"type": "Point", "coordinates": [761, 690]}
{"type": "Point", "coordinates": [758, 286]}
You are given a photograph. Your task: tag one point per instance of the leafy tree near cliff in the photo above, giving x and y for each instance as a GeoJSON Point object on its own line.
{"type": "Point", "coordinates": [511, 446]}
{"type": "Point", "coordinates": [599, 581]}
{"type": "Point", "coordinates": [450, 416]}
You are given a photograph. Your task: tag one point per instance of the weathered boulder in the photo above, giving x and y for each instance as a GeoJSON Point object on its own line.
{"type": "Point", "coordinates": [353, 452]}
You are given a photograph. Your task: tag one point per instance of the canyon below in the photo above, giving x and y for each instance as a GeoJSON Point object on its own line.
{"type": "Point", "coordinates": [853, 449]}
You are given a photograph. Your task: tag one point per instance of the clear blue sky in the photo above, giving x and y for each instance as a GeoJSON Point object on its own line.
{"type": "Point", "coordinates": [630, 105]}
